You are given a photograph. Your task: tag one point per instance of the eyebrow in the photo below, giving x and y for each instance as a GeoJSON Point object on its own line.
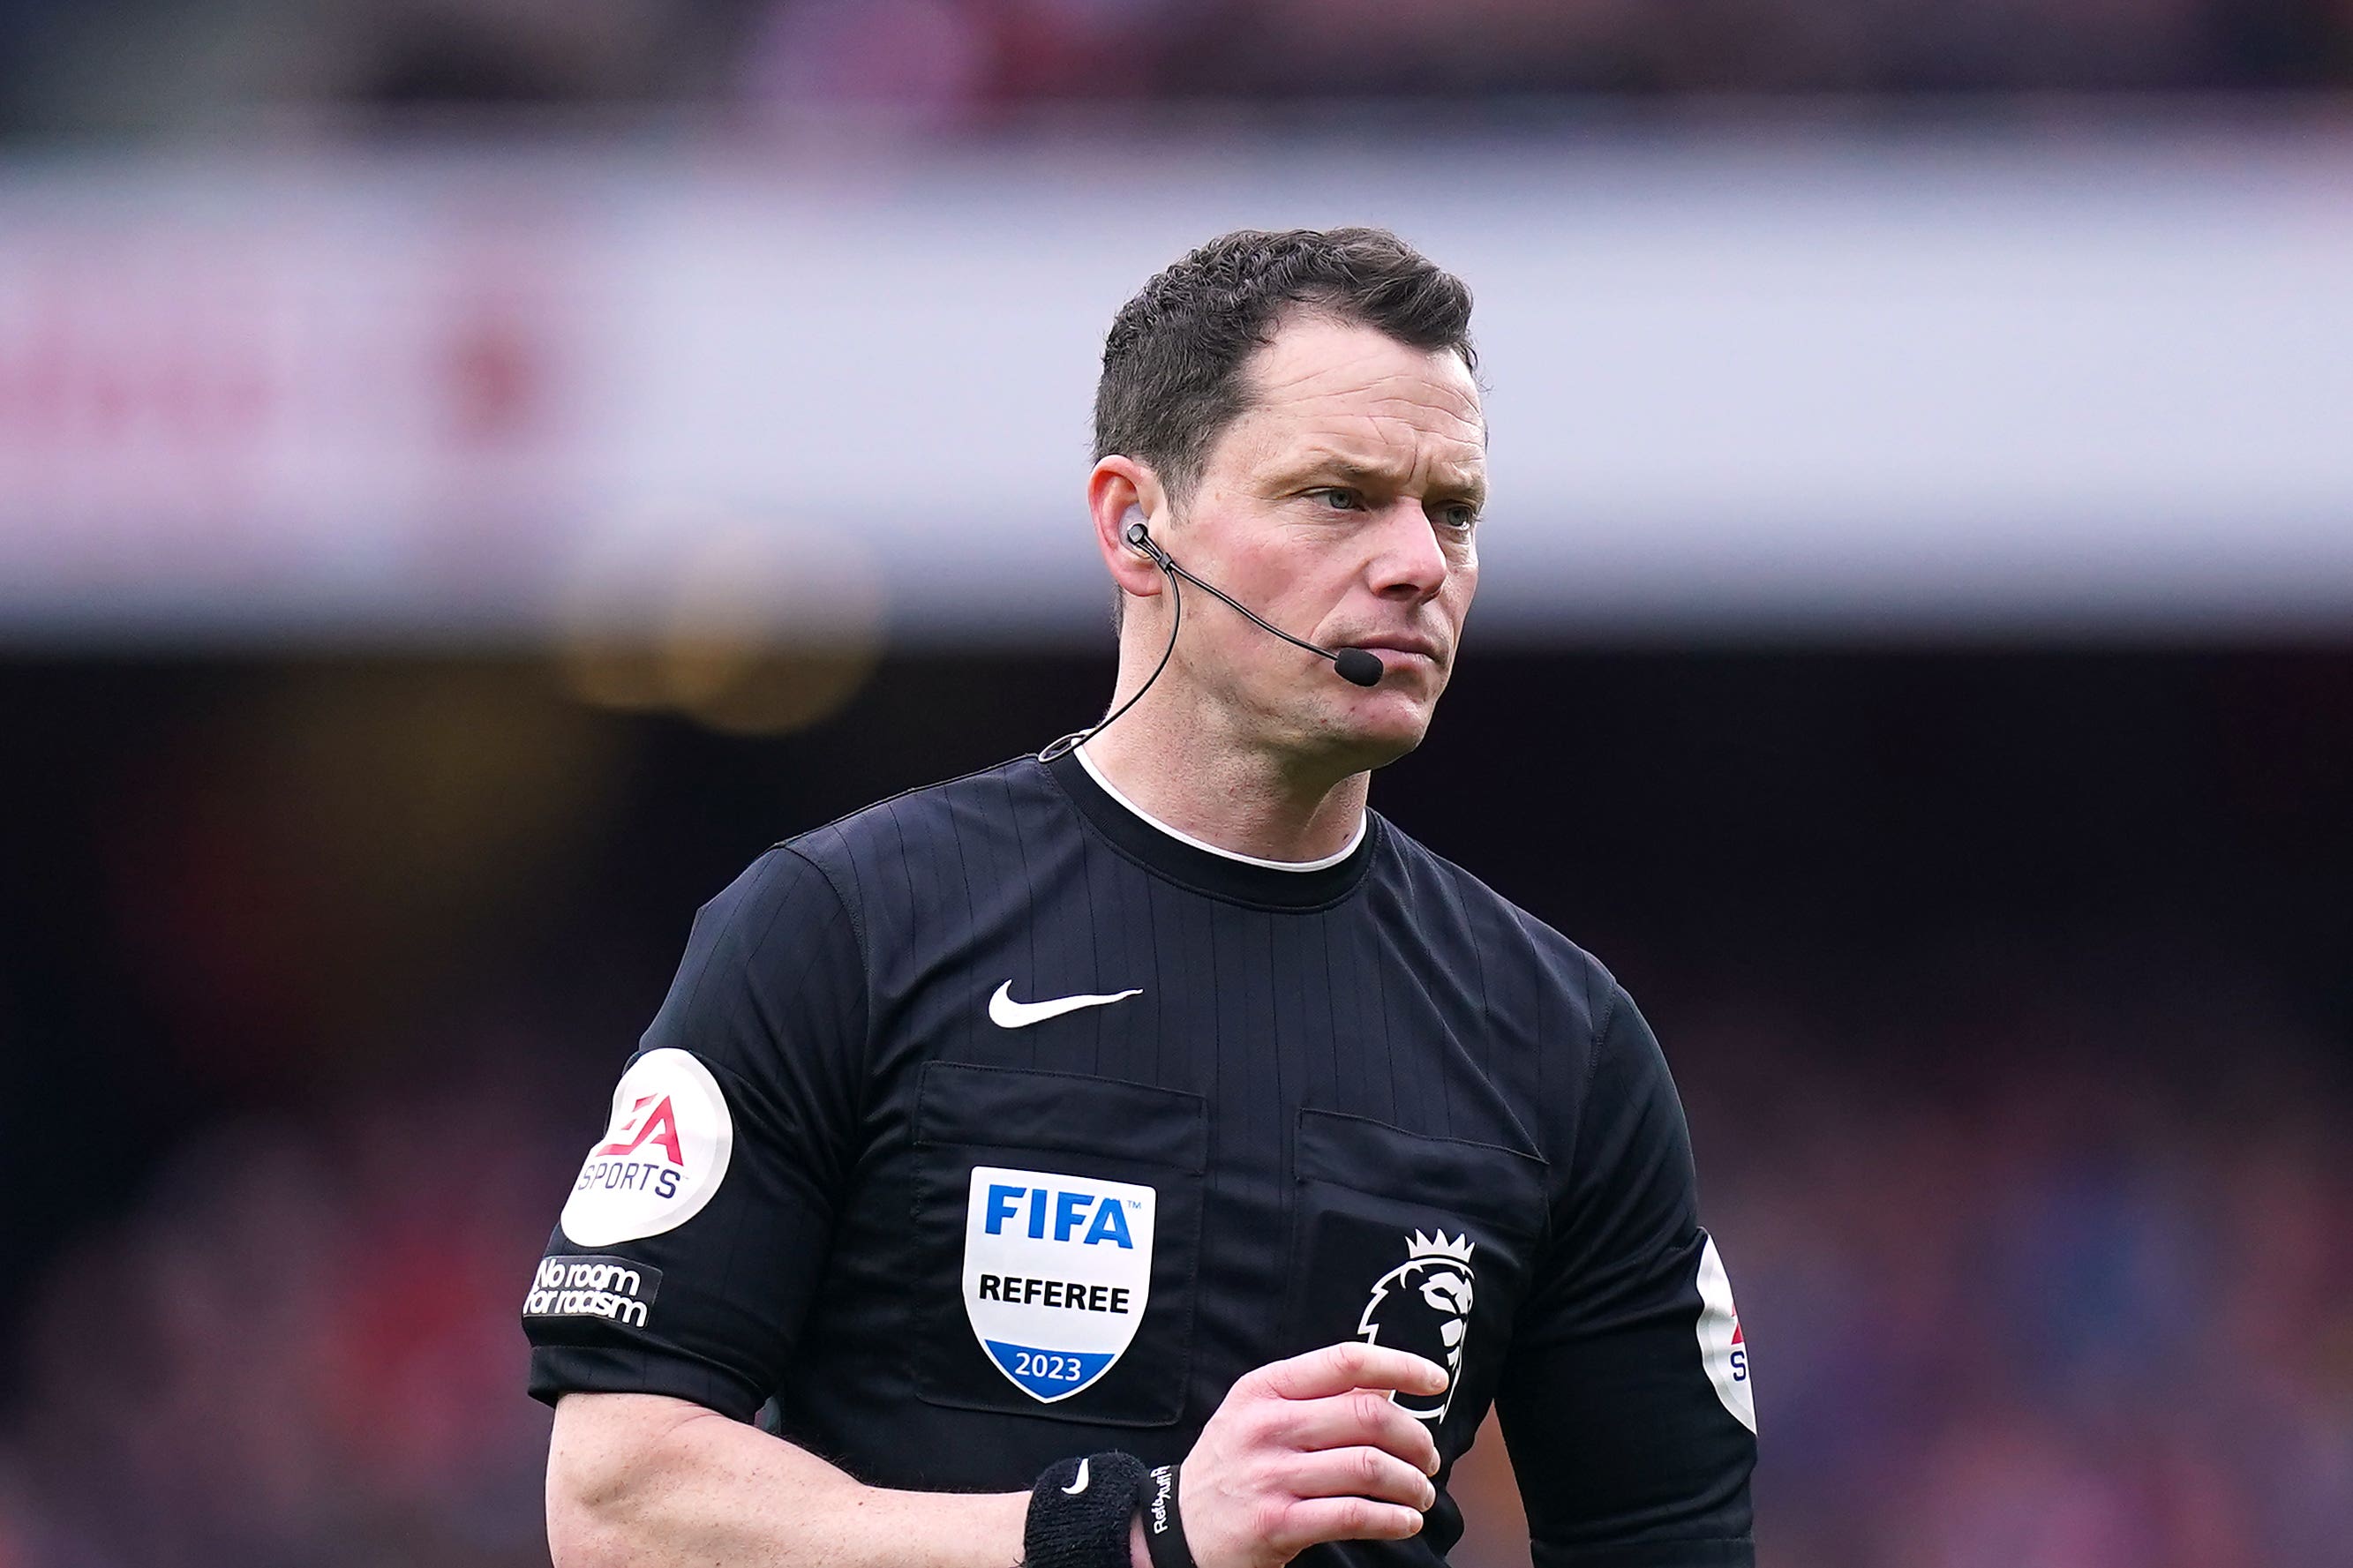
{"type": "Point", "coordinates": [1360, 474]}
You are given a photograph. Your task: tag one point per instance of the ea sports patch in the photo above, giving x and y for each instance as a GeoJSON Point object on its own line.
{"type": "Point", "coordinates": [1722, 1348]}
{"type": "Point", "coordinates": [1057, 1272]}
{"type": "Point", "coordinates": [663, 1154]}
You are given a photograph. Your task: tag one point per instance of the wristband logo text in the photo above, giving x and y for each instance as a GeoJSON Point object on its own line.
{"type": "Point", "coordinates": [1057, 1271]}
{"type": "Point", "coordinates": [1158, 1516]}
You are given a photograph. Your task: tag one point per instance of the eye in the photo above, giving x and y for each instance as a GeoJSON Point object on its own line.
{"type": "Point", "coordinates": [1337, 499]}
{"type": "Point", "coordinates": [1459, 516]}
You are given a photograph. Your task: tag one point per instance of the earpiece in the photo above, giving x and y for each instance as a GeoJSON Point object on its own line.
{"type": "Point", "coordinates": [1139, 537]}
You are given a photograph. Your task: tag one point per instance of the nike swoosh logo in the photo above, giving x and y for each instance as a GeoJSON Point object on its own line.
{"type": "Point", "coordinates": [1076, 1487]}
{"type": "Point", "coordinates": [1006, 1013]}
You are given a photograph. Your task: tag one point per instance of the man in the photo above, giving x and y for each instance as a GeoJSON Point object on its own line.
{"type": "Point", "coordinates": [1156, 1104]}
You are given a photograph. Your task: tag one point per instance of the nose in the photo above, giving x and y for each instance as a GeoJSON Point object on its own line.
{"type": "Point", "coordinates": [1407, 564]}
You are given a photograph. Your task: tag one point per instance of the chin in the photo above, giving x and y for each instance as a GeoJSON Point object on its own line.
{"type": "Point", "coordinates": [1392, 729]}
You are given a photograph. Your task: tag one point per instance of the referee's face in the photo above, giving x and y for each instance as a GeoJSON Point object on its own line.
{"type": "Point", "coordinates": [1342, 505]}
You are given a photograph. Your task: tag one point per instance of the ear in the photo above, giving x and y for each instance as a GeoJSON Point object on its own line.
{"type": "Point", "coordinates": [1120, 491]}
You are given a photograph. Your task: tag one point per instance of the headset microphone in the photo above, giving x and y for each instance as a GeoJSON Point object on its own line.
{"type": "Point", "coordinates": [1358, 667]}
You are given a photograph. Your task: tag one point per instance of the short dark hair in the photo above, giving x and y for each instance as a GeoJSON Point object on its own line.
{"type": "Point", "coordinates": [1172, 367]}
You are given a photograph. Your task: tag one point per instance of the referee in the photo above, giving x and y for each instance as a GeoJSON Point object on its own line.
{"type": "Point", "coordinates": [1143, 1153]}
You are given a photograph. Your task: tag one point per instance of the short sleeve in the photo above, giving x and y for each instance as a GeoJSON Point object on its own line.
{"type": "Point", "coordinates": [695, 1233]}
{"type": "Point", "coordinates": [1626, 1404]}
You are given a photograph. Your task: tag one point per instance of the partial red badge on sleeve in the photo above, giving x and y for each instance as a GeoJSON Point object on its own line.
{"type": "Point", "coordinates": [663, 1154]}
{"type": "Point", "coordinates": [1722, 1348]}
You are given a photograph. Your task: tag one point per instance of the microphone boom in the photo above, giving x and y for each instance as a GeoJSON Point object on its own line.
{"type": "Point", "coordinates": [1356, 666]}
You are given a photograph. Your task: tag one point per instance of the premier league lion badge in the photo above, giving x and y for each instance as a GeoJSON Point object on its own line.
{"type": "Point", "coordinates": [1423, 1306]}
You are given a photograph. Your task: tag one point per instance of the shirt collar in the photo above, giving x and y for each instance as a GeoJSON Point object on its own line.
{"type": "Point", "coordinates": [1178, 834]}
{"type": "Point", "coordinates": [1203, 866]}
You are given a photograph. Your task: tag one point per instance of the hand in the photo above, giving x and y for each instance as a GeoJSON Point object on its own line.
{"type": "Point", "coordinates": [1308, 1450]}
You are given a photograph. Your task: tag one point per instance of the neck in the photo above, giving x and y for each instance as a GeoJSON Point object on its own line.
{"type": "Point", "coordinates": [1178, 762]}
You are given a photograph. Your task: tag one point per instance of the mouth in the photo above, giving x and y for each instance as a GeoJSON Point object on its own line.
{"type": "Point", "coordinates": [1398, 649]}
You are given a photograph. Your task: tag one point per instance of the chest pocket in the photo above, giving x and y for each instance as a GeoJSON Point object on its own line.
{"type": "Point", "coordinates": [1419, 1243]}
{"type": "Point", "coordinates": [1058, 1219]}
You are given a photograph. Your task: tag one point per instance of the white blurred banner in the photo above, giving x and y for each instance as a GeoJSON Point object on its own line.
{"type": "Point", "coordinates": [2076, 385]}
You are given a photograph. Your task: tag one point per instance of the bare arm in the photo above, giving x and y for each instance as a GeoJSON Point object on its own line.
{"type": "Point", "coordinates": [1301, 1451]}
{"type": "Point", "coordinates": [638, 1478]}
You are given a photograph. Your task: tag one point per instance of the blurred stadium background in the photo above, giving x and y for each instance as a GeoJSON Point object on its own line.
{"type": "Point", "coordinates": [473, 472]}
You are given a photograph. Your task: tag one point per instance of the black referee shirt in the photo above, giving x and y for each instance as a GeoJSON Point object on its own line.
{"type": "Point", "coordinates": [998, 1123]}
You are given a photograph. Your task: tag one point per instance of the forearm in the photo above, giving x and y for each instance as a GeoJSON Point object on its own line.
{"type": "Point", "coordinates": [638, 1478]}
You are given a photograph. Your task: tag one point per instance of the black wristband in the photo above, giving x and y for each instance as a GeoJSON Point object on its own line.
{"type": "Point", "coordinates": [1164, 1526]}
{"type": "Point", "coordinates": [1079, 1512]}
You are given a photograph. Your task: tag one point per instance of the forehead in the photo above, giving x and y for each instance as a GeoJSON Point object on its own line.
{"type": "Point", "coordinates": [1354, 393]}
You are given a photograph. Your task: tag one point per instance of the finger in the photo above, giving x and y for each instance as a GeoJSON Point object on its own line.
{"type": "Point", "coordinates": [1336, 1369]}
{"type": "Point", "coordinates": [1360, 1472]}
{"type": "Point", "coordinates": [1360, 1417]}
{"type": "Point", "coordinates": [1312, 1520]}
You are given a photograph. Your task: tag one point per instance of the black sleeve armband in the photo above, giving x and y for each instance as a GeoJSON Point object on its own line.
{"type": "Point", "coordinates": [1079, 1511]}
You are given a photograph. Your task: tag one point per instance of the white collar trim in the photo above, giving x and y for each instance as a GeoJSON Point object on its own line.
{"type": "Point", "coordinates": [1181, 837]}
